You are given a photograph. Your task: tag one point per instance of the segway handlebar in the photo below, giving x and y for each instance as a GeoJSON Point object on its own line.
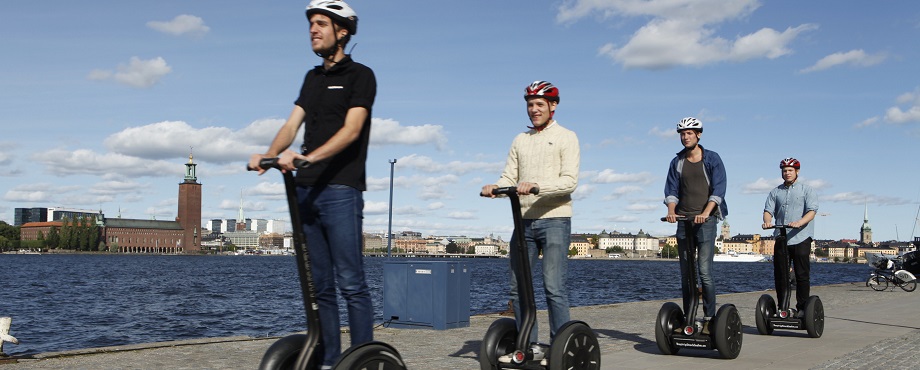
{"type": "Point", "coordinates": [681, 218]}
{"type": "Point", "coordinates": [273, 163]}
{"type": "Point", "coordinates": [779, 227]}
{"type": "Point", "coordinates": [508, 190]}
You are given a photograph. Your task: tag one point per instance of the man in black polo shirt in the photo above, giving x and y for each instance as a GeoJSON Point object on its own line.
{"type": "Point", "coordinates": [335, 108]}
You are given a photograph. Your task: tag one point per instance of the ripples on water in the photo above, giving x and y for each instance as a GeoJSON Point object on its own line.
{"type": "Point", "coordinates": [65, 302]}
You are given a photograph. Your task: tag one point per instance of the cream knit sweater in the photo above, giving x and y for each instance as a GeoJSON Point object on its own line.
{"type": "Point", "coordinates": [549, 158]}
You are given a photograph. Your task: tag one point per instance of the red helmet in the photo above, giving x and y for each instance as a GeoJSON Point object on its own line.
{"type": "Point", "coordinates": [542, 89]}
{"type": "Point", "coordinates": [790, 162]}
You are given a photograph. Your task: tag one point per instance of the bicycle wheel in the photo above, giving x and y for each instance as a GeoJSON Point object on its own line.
{"type": "Point", "coordinates": [878, 283]}
{"type": "Point", "coordinates": [909, 286]}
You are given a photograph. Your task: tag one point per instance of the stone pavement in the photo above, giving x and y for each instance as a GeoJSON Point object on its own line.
{"type": "Point", "coordinates": [864, 329]}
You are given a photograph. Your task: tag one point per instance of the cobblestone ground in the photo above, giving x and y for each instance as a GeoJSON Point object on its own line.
{"type": "Point", "coordinates": [895, 353]}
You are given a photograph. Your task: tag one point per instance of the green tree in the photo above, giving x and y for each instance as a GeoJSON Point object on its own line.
{"type": "Point", "coordinates": [66, 233]}
{"type": "Point", "coordinates": [471, 250]}
{"type": "Point", "coordinates": [572, 252]}
{"type": "Point", "coordinates": [668, 251]}
{"type": "Point", "coordinates": [614, 249]}
{"type": "Point", "coordinates": [54, 238]}
{"type": "Point", "coordinates": [452, 248]}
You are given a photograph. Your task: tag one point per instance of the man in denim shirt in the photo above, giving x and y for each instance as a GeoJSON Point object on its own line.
{"type": "Point", "coordinates": [695, 188]}
{"type": "Point", "coordinates": [794, 204]}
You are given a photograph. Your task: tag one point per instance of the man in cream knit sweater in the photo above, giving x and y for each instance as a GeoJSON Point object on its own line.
{"type": "Point", "coordinates": [546, 157]}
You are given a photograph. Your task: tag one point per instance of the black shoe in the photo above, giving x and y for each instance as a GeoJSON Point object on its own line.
{"type": "Point", "coordinates": [800, 314]}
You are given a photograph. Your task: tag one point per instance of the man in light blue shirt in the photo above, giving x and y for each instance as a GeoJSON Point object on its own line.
{"type": "Point", "coordinates": [794, 204]}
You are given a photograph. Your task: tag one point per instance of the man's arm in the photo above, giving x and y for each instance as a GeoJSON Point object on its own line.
{"type": "Point", "coordinates": [354, 123]}
{"type": "Point", "coordinates": [283, 139]}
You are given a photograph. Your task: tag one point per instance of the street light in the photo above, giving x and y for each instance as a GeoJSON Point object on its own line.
{"type": "Point", "coordinates": [390, 222]}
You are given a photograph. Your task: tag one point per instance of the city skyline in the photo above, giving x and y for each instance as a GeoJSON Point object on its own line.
{"type": "Point", "coordinates": [104, 101]}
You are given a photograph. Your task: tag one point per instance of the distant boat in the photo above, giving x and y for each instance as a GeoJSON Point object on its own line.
{"type": "Point", "coordinates": [733, 256]}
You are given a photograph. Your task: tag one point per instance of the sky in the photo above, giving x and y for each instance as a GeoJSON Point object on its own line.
{"type": "Point", "coordinates": [102, 102]}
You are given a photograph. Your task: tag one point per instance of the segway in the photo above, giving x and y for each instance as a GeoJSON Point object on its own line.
{"type": "Point", "coordinates": [770, 317]}
{"type": "Point", "coordinates": [304, 351]}
{"type": "Point", "coordinates": [505, 346]}
{"type": "Point", "coordinates": [675, 329]}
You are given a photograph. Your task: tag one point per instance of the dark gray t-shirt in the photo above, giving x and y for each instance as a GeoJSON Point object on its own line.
{"type": "Point", "coordinates": [694, 189]}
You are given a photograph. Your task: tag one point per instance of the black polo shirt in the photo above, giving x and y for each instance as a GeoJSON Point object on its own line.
{"type": "Point", "coordinates": [326, 97]}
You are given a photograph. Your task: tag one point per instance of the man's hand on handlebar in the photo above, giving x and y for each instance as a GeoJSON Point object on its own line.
{"type": "Point", "coordinates": [487, 191]}
{"type": "Point", "coordinates": [525, 188]}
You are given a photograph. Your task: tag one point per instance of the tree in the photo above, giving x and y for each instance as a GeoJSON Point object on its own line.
{"type": "Point", "coordinates": [452, 248]}
{"type": "Point", "coordinates": [573, 252]}
{"type": "Point", "coordinates": [668, 251]}
{"type": "Point", "coordinates": [615, 249]}
{"type": "Point", "coordinates": [54, 238]}
{"type": "Point", "coordinates": [471, 250]}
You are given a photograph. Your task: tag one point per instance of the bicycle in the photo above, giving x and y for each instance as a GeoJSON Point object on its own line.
{"type": "Point", "coordinates": [890, 272]}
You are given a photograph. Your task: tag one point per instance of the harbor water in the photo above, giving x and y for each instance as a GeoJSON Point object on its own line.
{"type": "Point", "coordinates": [63, 302]}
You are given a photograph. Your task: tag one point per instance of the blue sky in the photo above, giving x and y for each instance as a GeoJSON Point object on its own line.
{"type": "Point", "coordinates": [102, 101]}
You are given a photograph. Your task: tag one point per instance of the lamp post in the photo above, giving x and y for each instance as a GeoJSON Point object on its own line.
{"type": "Point", "coordinates": [390, 222]}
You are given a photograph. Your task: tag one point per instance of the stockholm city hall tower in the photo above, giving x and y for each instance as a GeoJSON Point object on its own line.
{"type": "Point", "coordinates": [189, 216]}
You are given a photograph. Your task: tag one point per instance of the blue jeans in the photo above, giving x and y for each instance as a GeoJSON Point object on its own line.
{"type": "Point", "coordinates": [332, 218]}
{"type": "Point", "coordinates": [705, 245]}
{"type": "Point", "coordinates": [552, 236]}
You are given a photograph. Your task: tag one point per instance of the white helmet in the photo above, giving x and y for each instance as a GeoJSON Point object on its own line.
{"type": "Point", "coordinates": [338, 10]}
{"type": "Point", "coordinates": [690, 123]}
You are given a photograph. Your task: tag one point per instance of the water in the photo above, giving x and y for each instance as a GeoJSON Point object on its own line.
{"type": "Point", "coordinates": [75, 301]}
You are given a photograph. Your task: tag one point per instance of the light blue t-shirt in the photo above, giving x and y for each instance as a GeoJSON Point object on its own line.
{"type": "Point", "coordinates": [788, 204]}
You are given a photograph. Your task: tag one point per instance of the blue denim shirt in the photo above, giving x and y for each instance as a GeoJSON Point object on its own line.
{"type": "Point", "coordinates": [715, 176]}
{"type": "Point", "coordinates": [788, 204]}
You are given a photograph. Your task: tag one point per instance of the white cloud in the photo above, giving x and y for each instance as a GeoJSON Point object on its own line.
{"type": "Point", "coordinates": [663, 133]}
{"type": "Point", "coordinates": [683, 32]}
{"type": "Point", "coordinates": [34, 193]}
{"type": "Point", "coordinates": [376, 208]}
{"type": "Point", "coordinates": [390, 132]}
{"type": "Point", "coordinates": [761, 186]}
{"type": "Point", "coordinates": [910, 112]}
{"type": "Point", "coordinates": [427, 164]}
{"type": "Point", "coordinates": [174, 139]}
{"type": "Point", "coordinates": [137, 73]}
{"type": "Point", "coordinates": [462, 215]}
{"type": "Point", "coordinates": [84, 161]}
{"type": "Point", "coordinates": [636, 207]}
{"type": "Point", "coordinates": [183, 24]}
{"type": "Point", "coordinates": [583, 191]}
{"type": "Point", "coordinates": [624, 190]}
{"type": "Point", "coordinates": [608, 176]}
{"type": "Point", "coordinates": [857, 58]}
{"type": "Point", "coordinates": [858, 198]}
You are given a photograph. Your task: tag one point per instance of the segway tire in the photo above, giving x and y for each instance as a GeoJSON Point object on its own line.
{"type": "Point", "coordinates": [575, 346]}
{"type": "Point", "coordinates": [370, 355]}
{"type": "Point", "coordinates": [670, 317]}
{"type": "Point", "coordinates": [814, 317]}
{"type": "Point", "coordinates": [499, 340]}
{"type": "Point", "coordinates": [765, 309]}
{"type": "Point", "coordinates": [282, 354]}
{"type": "Point", "coordinates": [878, 283]}
{"type": "Point", "coordinates": [728, 334]}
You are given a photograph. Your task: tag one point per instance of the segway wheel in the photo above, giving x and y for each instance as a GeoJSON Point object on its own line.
{"type": "Point", "coordinates": [766, 308]}
{"type": "Point", "coordinates": [670, 317]}
{"type": "Point", "coordinates": [283, 354]}
{"type": "Point", "coordinates": [575, 346]}
{"type": "Point", "coordinates": [814, 317]}
{"type": "Point", "coordinates": [878, 283]}
{"type": "Point", "coordinates": [370, 355]}
{"type": "Point", "coordinates": [909, 286]}
{"type": "Point", "coordinates": [728, 332]}
{"type": "Point", "coordinates": [499, 340]}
